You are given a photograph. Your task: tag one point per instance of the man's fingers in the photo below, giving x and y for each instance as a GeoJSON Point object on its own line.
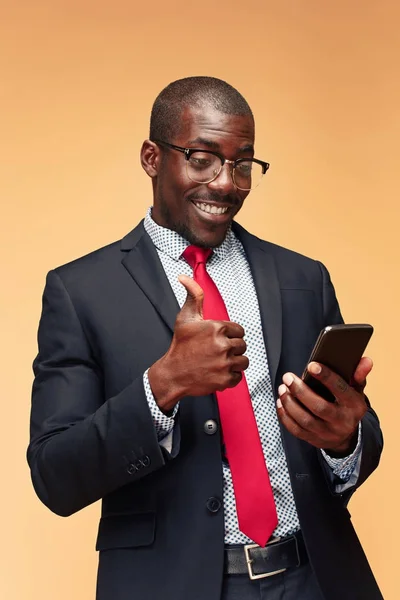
{"type": "Point", "coordinates": [239, 363]}
{"type": "Point", "coordinates": [329, 425]}
{"type": "Point", "coordinates": [305, 418]}
{"type": "Point", "coordinates": [192, 310]}
{"type": "Point", "coordinates": [290, 424]}
{"type": "Point", "coordinates": [363, 369]}
{"type": "Point", "coordinates": [233, 330]}
{"type": "Point", "coordinates": [238, 346]}
{"type": "Point", "coordinates": [311, 405]}
{"type": "Point", "coordinates": [193, 307]}
{"type": "Point", "coordinates": [343, 391]}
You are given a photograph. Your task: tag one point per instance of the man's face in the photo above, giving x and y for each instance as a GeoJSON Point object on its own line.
{"type": "Point", "coordinates": [177, 199]}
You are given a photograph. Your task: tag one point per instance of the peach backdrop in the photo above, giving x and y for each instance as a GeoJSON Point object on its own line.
{"type": "Point", "coordinates": [77, 81]}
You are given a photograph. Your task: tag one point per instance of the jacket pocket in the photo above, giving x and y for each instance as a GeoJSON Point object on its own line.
{"type": "Point", "coordinates": [126, 531]}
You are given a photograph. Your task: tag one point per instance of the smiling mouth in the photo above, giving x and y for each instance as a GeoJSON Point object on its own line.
{"type": "Point", "coordinates": [211, 208]}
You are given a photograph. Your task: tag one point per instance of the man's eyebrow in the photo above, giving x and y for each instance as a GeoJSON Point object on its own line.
{"type": "Point", "coordinates": [204, 142]}
{"type": "Point", "coordinates": [247, 148]}
{"type": "Point", "coordinates": [215, 146]}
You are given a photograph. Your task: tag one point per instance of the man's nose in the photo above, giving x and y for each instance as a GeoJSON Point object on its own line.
{"type": "Point", "coordinates": [223, 183]}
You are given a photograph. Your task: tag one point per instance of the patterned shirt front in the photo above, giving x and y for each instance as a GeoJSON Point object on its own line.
{"type": "Point", "coordinates": [230, 270]}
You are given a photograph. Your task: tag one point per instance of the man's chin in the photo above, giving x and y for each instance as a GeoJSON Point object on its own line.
{"type": "Point", "coordinates": [206, 239]}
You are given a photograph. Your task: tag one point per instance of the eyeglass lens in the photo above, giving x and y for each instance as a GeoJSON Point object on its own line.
{"type": "Point", "coordinates": [203, 168]}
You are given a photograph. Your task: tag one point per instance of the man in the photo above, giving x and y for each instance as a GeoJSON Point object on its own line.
{"type": "Point", "coordinates": [203, 456]}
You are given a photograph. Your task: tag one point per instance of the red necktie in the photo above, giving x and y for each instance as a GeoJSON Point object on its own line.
{"type": "Point", "coordinates": [255, 503]}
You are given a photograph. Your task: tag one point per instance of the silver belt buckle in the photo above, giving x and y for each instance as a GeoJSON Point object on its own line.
{"type": "Point", "coordinates": [249, 561]}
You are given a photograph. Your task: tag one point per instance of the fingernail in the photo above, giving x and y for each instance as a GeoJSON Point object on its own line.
{"type": "Point", "coordinates": [314, 368]}
{"type": "Point", "coordinates": [288, 379]}
{"type": "Point", "coordinates": [278, 403]}
{"type": "Point", "coordinates": [282, 389]}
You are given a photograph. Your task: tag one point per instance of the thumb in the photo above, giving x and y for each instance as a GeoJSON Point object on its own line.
{"type": "Point", "coordinates": [363, 369]}
{"type": "Point", "coordinates": [193, 307]}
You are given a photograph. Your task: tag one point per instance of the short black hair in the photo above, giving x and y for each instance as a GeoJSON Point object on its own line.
{"type": "Point", "coordinates": [193, 91]}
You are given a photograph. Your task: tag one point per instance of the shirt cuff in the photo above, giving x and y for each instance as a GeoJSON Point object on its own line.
{"type": "Point", "coordinates": [163, 424]}
{"type": "Point", "coordinates": [344, 467]}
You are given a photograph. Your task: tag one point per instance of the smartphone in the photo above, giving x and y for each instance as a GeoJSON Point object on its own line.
{"type": "Point", "coordinates": [339, 347]}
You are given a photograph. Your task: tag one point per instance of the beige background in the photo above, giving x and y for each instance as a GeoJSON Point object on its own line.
{"type": "Point", "coordinates": [77, 79]}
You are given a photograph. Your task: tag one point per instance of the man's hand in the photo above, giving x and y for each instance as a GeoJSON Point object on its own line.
{"type": "Point", "coordinates": [205, 356]}
{"type": "Point", "coordinates": [328, 425]}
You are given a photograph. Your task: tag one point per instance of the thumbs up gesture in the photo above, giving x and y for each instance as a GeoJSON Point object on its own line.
{"type": "Point", "coordinates": [205, 356]}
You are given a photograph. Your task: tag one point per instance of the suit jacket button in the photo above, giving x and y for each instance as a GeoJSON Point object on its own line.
{"type": "Point", "coordinates": [210, 427]}
{"type": "Point", "coordinates": [213, 504]}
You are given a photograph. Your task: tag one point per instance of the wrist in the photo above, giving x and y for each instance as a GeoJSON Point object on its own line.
{"type": "Point", "coordinates": [165, 389]}
{"type": "Point", "coordinates": [345, 448]}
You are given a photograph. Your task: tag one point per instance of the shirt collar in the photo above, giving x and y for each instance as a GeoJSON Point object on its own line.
{"type": "Point", "coordinates": [173, 244]}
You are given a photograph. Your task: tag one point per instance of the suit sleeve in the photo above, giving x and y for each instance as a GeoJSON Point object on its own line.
{"type": "Point", "coordinates": [371, 437]}
{"type": "Point", "coordinates": [83, 445]}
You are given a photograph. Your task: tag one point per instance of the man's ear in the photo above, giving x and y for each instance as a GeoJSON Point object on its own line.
{"type": "Point", "coordinates": [150, 158]}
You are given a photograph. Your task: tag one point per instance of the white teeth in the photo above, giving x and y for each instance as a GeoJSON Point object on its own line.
{"type": "Point", "coordinates": [209, 208]}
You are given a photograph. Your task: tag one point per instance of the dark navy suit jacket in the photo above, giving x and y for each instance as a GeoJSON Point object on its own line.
{"type": "Point", "coordinates": [106, 318]}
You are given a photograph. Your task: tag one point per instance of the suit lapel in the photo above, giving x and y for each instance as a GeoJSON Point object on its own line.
{"type": "Point", "coordinates": [266, 282]}
{"type": "Point", "coordinates": [269, 298]}
{"type": "Point", "coordinates": [142, 262]}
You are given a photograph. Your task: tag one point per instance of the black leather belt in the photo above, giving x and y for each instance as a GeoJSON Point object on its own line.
{"type": "Point", "coordinates": [277, 556]}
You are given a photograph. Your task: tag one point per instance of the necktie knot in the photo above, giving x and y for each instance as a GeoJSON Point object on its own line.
{"type": "Point", "coordinates": [195, 255]}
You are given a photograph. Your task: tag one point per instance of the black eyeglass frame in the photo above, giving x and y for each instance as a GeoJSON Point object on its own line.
{"type": "Point", "coordinates": [189, 151]}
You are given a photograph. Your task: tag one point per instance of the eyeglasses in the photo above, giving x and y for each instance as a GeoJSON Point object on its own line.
{"type": "Point", "coordinates": [203, 166]}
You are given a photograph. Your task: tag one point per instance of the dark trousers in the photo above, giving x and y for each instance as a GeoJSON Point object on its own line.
{"type": "Point", "coordinates": [293, 584]}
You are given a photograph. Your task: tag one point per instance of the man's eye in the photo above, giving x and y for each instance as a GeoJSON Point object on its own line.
{"type": "Point", "coordinates": [200, 161]}
{"type": "Point", "coordinates": [244, 168]}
